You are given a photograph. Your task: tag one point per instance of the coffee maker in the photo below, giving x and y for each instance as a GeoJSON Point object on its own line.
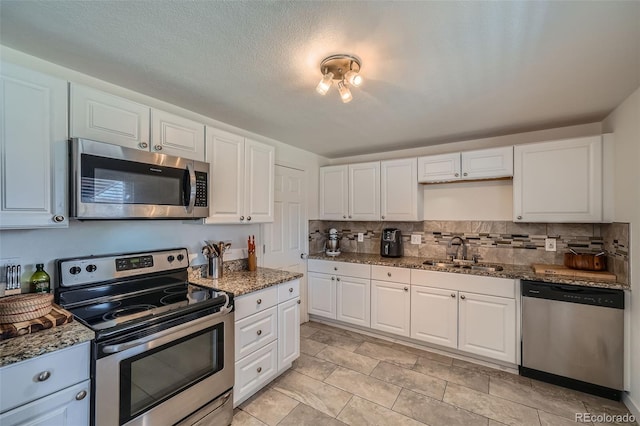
{"type": "Point", "coordinates": [391, 243]}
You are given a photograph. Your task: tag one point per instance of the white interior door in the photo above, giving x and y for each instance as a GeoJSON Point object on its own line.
{"type": "Point", "coordinates": [285, 238]}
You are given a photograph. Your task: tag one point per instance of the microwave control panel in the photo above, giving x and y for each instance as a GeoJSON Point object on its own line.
{"type": "Point", "coordinates": [201, 190]}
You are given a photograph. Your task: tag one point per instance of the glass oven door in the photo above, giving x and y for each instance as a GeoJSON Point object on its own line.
{"type": "Point", "coordinates": [164, 377]}
{"type": "Point", "coordinates": [154, 376]}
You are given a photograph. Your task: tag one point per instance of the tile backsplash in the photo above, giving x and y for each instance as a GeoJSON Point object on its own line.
{"type": "Point", "coordinates": [492, 241]}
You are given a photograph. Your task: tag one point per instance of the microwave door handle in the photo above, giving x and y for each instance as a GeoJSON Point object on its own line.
{"type": "Point", "coordinates": [192, 188]}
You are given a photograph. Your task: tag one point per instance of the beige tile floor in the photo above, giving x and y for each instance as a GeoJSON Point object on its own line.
{"type": "Point", "coordinates": [343, 377]}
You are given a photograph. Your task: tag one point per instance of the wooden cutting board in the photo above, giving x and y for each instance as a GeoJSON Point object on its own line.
{"type": "Point", "coordinates": [56, 317]}
{"type": "Point", "coordinates": [540, 268]}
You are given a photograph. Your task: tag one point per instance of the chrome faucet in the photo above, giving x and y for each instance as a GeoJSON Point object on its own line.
{"type": "Point", "coordinates": [462, 243]}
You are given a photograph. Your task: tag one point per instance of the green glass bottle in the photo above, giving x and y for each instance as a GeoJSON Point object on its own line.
{"type": "Point", "coordinates": [40, 280]}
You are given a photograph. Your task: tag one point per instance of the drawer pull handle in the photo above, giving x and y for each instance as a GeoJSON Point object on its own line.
{"type": "Point", "coordinates": [388, 274]}
{"type": "Point", "coordinates": [44, 376]}
{"type": "Point", "coordinates": [290, 289]}
{"type": "Point", "coordinates": [81, 395]}
{"type": "Point", "coordinates": [462, 297]}
{"type": "Point", "coordinates": [259, 370]}
{"type": "Point", "coordinates": [259, 301]}
{"type": "Point", "coordinates": [259, 332]}
{"type": "Point", "coordinates": [453, 295]}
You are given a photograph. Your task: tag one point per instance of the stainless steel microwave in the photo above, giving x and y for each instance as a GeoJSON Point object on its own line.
{"type": "Point", "coordinates": [113, 182]}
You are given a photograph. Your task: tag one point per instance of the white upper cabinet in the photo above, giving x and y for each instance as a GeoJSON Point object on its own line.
{"type": "Point", "coordinates": [33, 143]}
{"type": "Point", "coordinates": [364, 191]}
{"type": "Point", "coordinates": [401, 196]}
{"type": "Point", "coordinates": [558, 181]}
{"type": "Point", "coordinates": [439, 168]}
{"type": "Point", "coordinates": [241, 186]}
{"type": "Point", "coordinates": [175, 135]}
{"type": "Point", "coordinates": [109, 118]}
{"type": "Point", "coordinates": [334, 192]}
{"type": "Point", "coordinates": [350, 192]}
{"type": "Point", "coordinates": [489, 163]}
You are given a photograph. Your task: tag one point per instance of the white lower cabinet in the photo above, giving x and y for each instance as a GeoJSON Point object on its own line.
{"type": "Point", "coordinates": [390, 307]}
{"type": "Point", "coordinates": [50, 389]}
{"type": "Point", "coordinates": [434, 316]}
{"type": "Point", "coordinates": [353, 300]}
{"type": "Point", "coordinates": [322, 295]}
{"type": "Point", "coordinates": [487, 326]}
{"type": "Point", "coordinates": [267, 336]}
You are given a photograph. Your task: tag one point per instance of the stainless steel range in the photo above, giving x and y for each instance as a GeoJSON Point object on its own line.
{"type": "Point", "coordinates": [163, 352]}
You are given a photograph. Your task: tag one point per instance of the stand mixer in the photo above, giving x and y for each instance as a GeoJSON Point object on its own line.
{"type": "Point", "coordinates": [332, 244]}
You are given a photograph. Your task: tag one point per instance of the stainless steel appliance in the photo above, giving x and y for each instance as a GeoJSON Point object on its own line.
{"type": "Point", "coordinates": [164, 348]}
{"type": "Point", "coordinates": [113, 182]}
{"type": "Point", "coordinates": [332, 244]}
{"type": "Point", "coordinates": [573, 336]}
{"type": "Point", "coordinates": [391, 243]}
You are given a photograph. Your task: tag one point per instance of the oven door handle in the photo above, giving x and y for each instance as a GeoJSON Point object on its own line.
{"type": "Point", "coordinates": [113, 349]}
{"type": "Point", "coordinates": [192, 188]}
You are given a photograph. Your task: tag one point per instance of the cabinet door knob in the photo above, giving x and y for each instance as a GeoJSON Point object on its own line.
{"type": "Point", "coordinates": [333, 278]}
{"type": "Point", "coordinates": [158, 147]}
{"type": "Point", "coordinates": [259, 301]}
{"type": "Point", "coordinates": [349, 216]}
{"type": "Point", "coordinates": [335, 268]}
{"type": "Point", "coordinates": [241, 217]}
{"type": "Point", "coordinates": [383, 217]}
{"type": "Point", "coordinates": [80, 395]}
{"type": "Point", "coordinates": [464, 174]}
{"type": "Point", "coordinates": [344, 217]}
{"type": "Point", "coordinates": [338, 279]}
{"type": "Point", "coordinates": [453, 295]}
{"type": "Point", "coordinates": [388, 274]}
{"type": "Point", "coordinates": [259, 332]}
{"type": "Point", "coordinates": [406, 289]}
{"type": "Point", "coordinates": [259, 370]}
{"type": "Point", "coordinates": [290, 289]}
{"type": "Point", "coordinates": [457, 174]}
{"type": "Point", "coordinates": [519, 217]}
{"type": "Point", "coordinates": [44, 376]}
{"type": "Point", "coordinates": [58, 218]}
{"type": "Point", "coordinates": [298, 301]}
{"type": "Point", "coordinates": [143, 145]}
{"type": "Point", "coordinates": [248, 217]}
{"type": "Point", "coordinates": [462, 297]}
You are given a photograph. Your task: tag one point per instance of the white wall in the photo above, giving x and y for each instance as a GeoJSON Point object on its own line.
{"type": "Point", "coordinates": [486, 200]}
{"type": "Point", "coordinates": [84, 238]}
{"type": "Point", "coordinates": [624, 122]}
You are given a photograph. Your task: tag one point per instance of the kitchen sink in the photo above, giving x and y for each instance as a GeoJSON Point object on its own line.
{"type": "Point", "coordinates": [481, 267]}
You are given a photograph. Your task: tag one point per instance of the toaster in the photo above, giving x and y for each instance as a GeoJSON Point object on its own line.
{"type": "Point", "coordinates": [391, 243]}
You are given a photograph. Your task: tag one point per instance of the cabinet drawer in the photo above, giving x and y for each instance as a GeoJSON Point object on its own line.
{"type": "Point", "coordinates": [388, 273]}
{"type": "Point", "coordinates": [289, 290]}
{"type": "Point", "coordinates": [339, 268]}
{"type": "Point", "coordinates": [253, 371]}
{"type": "Point", "coordinates": [490, 286]}
{"type": "Point", "coordinates": [255, 331]}
{"type": "Point", "coordinates": [34, 378]}
{"type": "Point", "coordinates": [255, 302]}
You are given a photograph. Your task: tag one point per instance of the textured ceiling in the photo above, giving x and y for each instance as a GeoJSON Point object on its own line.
{"type": "Point", "coordinates": [434, 71]}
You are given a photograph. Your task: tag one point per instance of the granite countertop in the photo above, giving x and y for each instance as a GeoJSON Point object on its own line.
{"type": "Point", "coordinates": [523, 272]}
{"type": "Point", "coordinates": [42, 342]}
{"type": "Point", "coordinates": [242, 282]}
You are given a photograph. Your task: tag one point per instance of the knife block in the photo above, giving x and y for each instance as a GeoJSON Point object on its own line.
{"type": "Point", "coordinates": [252, 262]}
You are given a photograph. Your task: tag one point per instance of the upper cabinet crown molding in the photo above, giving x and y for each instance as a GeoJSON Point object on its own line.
{"type": "Point", "coordinates": [33, 143]}
{"type": "Point", "coordinates": [241, 178]}
{"type": "Point", "coordinates": [559, 181]}
{"type": "Point", "coordinates": [492, 163]}
{"type": "Point", "coordinates": [108, 118]}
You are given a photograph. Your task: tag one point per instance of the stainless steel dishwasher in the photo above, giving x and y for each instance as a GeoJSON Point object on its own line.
{"type": "Point", "coordinates": [573, 336]}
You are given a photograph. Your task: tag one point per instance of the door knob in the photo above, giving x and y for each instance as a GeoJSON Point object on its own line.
{"type": "Point", "coordinates": [453, 295]}
{"type": "Point", "coordinates": [58, 218]}
{"type": "Point", "coordinates": [462, 297]}
{"type": "Point", "coordinates": [241, 217]}
{"type": "Point", "coordinates": [248, 217]}
{"type": "Point", "coordinates": [519, 217]}
{"type": "Point", "coordinates": [143, 145]}
{"type": "Point", "coordinates": [158, 147]}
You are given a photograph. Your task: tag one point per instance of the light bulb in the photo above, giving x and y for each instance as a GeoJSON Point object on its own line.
{"type": "Point", "coordinates": [325, 83]}
{"type": "Point", "coordinates": [353, 78]}
{"type": "Point", "coordinates": [345, 93]}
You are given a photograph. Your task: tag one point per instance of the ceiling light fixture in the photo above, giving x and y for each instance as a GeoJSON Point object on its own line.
{"type": "Point", "coordinates": [345, 69]}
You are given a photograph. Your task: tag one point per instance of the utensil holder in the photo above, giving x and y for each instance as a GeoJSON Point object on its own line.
{"type": "Point", "coordinates": [215, 268]}
{"type": "Point", "coordinates": [252, 262]}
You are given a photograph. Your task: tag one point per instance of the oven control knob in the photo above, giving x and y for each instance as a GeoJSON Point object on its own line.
{"type": "Point", "coordinates": [180, 257]}
{"type": "Point", "coordinates": [91, 268]}
{"type": "Point", "coordinates": [170, 258]}
{"type": "Point", "coordinates": [75, 270]}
